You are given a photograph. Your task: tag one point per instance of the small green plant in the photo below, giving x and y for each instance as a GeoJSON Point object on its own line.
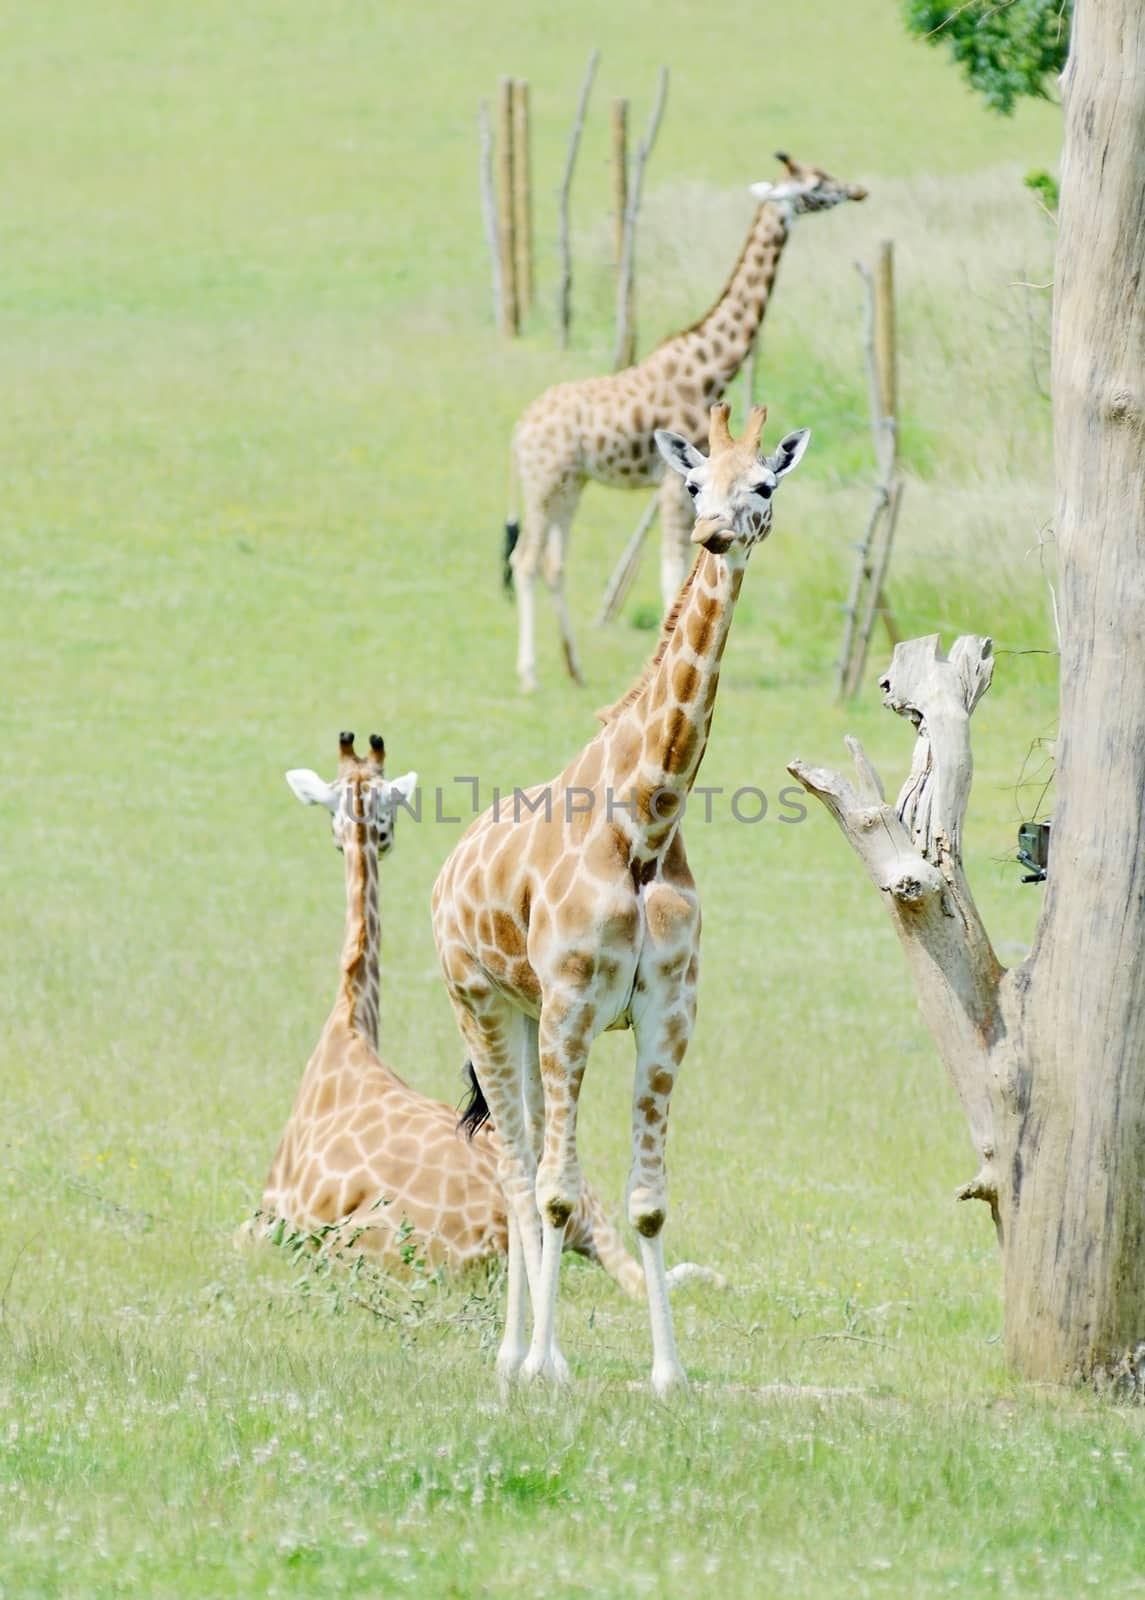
{"type": "Point", "coordinates": [1045, 186]}
{"type": "Point", "coordinates": [334, 1277]}
{"type": "Point", "coordinates": [645, 617]}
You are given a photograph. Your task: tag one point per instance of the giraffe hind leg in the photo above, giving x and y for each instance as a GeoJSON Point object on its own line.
{"type": "Point", "coordinates": [565, 1028]}
{"type": "Point", "coordinates": [493, 1031]}
{"type": "Point", "coordinates": [561, 514]}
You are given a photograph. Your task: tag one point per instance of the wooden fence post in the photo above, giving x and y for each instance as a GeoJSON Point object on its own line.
{"type": "Point", "coordinates": [885, 345]}
{"type": "Point", "coordinates": [510, 320]}
{"type": "Point", "coordinates": [522, 198]}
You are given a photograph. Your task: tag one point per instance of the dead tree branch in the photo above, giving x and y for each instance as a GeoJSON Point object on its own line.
{"type": "Point", "coordinates": [913, 854]}
{"type": "Point", "coordinates": [565, 299]}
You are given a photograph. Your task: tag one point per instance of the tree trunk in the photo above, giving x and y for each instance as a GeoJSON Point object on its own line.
{"type": "Point", "coordinates": [1049, 1059]}
{"type": "Point", "coordinates": [1075, 1259]}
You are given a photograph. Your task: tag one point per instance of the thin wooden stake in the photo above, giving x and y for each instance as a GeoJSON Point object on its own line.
{"type": "Point", "coordinates": [619, 175]}
{"type": "Point", "coordinates": [489, 209]}
{"type": "Point", "coordinates": [565, 298]}
{"type": "Point", "coordinates": [509, 313]}
{"type": "Point", "coordinates": [885, 352]}
{"type": "Point", "coordinates": [522, 198]}
{"type": "Point", "coordinates": [624, 573]}
{"type": "Point", "coordinates": [867, 598]}
{"type": "Point", "coordinates": [625, 349]}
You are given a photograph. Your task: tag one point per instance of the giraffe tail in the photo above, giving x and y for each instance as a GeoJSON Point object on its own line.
{"type": "Point", "coordinates": [512, 525]}
{"type": "Point", "coordinates": [601, 1241]}
{"type": "Point", "coordinates": [689, 1272]}
{"type": "Point", "coordinates": [475, 1111]}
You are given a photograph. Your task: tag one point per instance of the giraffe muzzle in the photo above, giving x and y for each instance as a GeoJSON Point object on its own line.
{"type": "Point", "coordinates": [714, 534]}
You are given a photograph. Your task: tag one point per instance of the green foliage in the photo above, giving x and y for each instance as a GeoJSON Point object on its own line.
{"type": "Point", "coordinates": [645, 617]}
{"type": "Point", "coordinates": [1045, 186]}
{"type": "Point", "coordinates": [332, 1276]}
{"type": "Point", "coordinates": [1006, 50]}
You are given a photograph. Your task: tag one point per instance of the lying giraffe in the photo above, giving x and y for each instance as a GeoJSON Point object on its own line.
{"type": "Point", "coordinates": [579, 914]}
{"type": "Point", "coordinates": [357, 1131]}
{"type": "Point", "coordinates": [603, 428]}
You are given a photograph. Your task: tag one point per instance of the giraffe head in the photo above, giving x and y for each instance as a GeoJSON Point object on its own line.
{"type": "Point", "coordinates": [360, 797]}
{"type": "Point", "coordinates": [733, 486]}
{"type": "Point", "coordinates": [806, 188]}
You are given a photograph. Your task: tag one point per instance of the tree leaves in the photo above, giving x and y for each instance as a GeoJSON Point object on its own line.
{"type": "Point", "coordinates": [1006, 50]}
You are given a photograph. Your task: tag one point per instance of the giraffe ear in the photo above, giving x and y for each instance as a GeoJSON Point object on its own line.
{"type": "Point", "coordinates": [681, 456]}
{"type": "Point", "coordinates": [777, 193]}
{"type": "Point", "coordinates": [404, 787]}
{"type": "Point", "coordinates": [311, 790]}
{"type": "Point", "coordinates": [788, 453]}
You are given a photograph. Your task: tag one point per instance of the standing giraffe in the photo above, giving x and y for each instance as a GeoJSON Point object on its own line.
{"type": "Point", "coordinates": [573, 911]}
{"type": "Point", "coordinates": [603, 428]}
{"type": "Point", "coordinates": [357, 1132]}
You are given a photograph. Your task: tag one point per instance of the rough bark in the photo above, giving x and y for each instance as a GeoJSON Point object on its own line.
{"type": "Point", "coordinates": [1075, 1278]}
{"type": "Point", "coordinates": [1049, 1059]}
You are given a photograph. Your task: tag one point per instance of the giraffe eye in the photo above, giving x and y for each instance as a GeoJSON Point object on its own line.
{"type": "Point", "coordinates": [763, 490]}
{"type": "Point", "coordinates": [692, 488]}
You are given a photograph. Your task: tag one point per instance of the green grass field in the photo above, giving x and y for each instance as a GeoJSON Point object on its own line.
{"type": "Point", "coordinates": [255, 428]}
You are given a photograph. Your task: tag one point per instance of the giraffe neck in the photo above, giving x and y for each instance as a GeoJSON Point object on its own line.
{"type": "Point", "coordinates": [358, 990]}
{"type": "Point", "coordinates": [721, 339]}
{"type": "Point", "coordinates": [673, 710]}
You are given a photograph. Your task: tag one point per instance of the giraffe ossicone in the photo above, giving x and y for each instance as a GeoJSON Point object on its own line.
{"type": "Point", "coordinates": [363, 1153]}
{"type": "Point", "coordinates": [604, 428]}
{"type": "Point", "coordinates": [559, 923]}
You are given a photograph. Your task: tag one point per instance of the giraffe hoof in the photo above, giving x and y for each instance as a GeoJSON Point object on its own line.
{"type": "Point", "coordinates": [509, 1364]}
{"type": "Point", "coordinates": [528, 683]}
{"type": "Point", "coordinates": [668, 1380]}
{"type": "Point", "coordinates": [551, 1369]}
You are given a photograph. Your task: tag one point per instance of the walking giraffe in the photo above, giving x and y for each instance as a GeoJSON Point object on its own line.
{"type": "Point", "coordinates": [357, 1132]}
{"type": "Point", "coordinates": [576, 913]}
{"type": "Point", "coordinates": [603, 428]}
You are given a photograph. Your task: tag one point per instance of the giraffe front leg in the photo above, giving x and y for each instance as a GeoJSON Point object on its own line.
{"type": "Point", "coordinates": [526, 584]}
{"type": "Point", "coordinates": [648, 1206]}
{"type": "Point", "coordinates": [662, 1034]}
